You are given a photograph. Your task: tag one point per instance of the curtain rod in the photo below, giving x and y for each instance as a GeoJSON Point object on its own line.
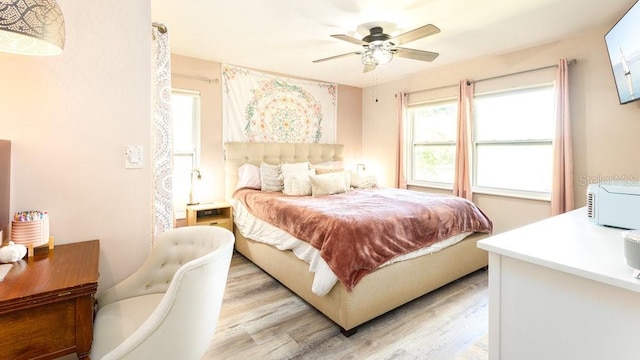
{"type": "Point", "coordinates": [161, 27]}
{"type": "Point", "coordinates": [570, 62]}
{"type": "Point", "coordinates": [199, 78]}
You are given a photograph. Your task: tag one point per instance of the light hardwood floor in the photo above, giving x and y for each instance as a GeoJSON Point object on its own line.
{"type": "Point", "coordinates": [261, 319]}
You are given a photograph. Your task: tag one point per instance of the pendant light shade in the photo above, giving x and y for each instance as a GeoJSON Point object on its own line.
{"type": "Point", "coordinates": [31, 27]}
{"type": "Point", "coordinates": [377, 53]}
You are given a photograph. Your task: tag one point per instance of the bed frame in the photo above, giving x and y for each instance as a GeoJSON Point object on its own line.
{"type": "Point", "coordinates": [377, 293]}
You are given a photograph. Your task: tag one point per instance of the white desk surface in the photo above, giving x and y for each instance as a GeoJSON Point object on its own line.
{"type": "Point", "coordinates": [569, 243]}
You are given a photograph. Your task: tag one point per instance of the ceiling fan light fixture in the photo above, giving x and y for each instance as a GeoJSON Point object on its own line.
{"type": "Point", "coordinates": [367, 58]}
{"type": "Point", "coordinates": [379, 48]}
{"type": "Point", "coordinates": [377, 54]}
{"type": "Point", "coordinates": [382, 56]}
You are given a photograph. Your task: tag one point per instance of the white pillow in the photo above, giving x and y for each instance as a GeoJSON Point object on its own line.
{"type": "Point", "coordinates": [297, 183]}
{"type": "Point", "coordinates": [345, 173]}
{"type": "Point", "coordinates": [295, 168]}
{"type": "Point", "coordinates": [347, 179]}
{"type": "Point", "coordinates": [249, 177]}
{"type": "Point", "coordinates": [270, 177]}
{"type": "Point", "coordinates": [362, 181]}
{"type": "Point", "coordinates": [328, 184]}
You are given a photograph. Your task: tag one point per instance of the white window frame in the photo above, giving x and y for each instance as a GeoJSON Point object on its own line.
{"type": "Point", "coordinates": [410, 144]}
{"type": "Point", "coordinates": [180, 208]}
{"type": "Point", "coordinates": [536, 195]}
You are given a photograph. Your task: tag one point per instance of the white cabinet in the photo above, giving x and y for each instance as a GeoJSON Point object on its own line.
{"type": "Point", "coordinates": [561, 289]}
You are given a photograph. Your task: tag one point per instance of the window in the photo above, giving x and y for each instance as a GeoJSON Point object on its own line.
{"type": "Point", "coordinates": [432, 141]}
{"type": "Point", "coordinates": [185, 107]}
{"type": "Point", "coordinates": [513, 141]}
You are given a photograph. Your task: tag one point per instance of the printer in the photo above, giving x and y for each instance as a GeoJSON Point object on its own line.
{"type": "Point", "coordinates": [615, 204]}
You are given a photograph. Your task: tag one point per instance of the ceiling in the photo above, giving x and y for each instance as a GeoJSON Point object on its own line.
{"type": "Point", "coordinates": [285, 36]}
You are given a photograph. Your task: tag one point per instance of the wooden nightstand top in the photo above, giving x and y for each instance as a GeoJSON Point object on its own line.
{"type": "Point", "coordinates": [209, 205]}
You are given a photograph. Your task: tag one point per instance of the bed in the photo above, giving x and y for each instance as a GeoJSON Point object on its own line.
{"type": "Point", "coordinates": [378, 292]}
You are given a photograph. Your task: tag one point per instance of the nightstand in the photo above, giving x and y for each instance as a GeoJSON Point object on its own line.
{"type": "Point", "coordinates": [219, 213]}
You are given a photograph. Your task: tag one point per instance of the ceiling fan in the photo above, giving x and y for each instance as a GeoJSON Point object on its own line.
{"type": "Point", "coordinates": [379, 48]}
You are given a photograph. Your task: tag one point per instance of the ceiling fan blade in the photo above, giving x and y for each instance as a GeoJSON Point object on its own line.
{"type": "Point", "coordinates": [350, 39]}
{"type": "Point", "coordinates": [368, 68]}
{"type": "Point", "coordinates": [337, 56]}
{"type": "Point", "coordinates": [415, 34]}
{"type": "Point", "coordinates": [415, 54]}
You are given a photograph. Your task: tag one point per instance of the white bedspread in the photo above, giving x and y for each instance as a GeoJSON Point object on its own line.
{"type": "Point", "coordinates": [324, 278]}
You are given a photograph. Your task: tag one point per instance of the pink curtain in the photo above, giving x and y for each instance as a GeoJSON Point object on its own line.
{"type": "Point", "coordinates": [401, 107]}
{"type": "Point", "coordinates": [462, 180]}
{"type": "Point", "coordinates": [562, 198]}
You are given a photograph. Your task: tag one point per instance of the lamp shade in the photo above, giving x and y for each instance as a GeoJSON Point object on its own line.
{"type": "Point", "coordinates": [31, 27]}
{"type": "Point", "coordinates": [377, 53]}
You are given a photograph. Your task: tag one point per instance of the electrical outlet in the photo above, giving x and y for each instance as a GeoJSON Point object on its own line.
{"type": "Point", "coordinates": [133, 157]}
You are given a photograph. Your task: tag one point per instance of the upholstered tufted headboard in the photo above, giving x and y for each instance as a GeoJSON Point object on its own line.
{"type": "Point", "coordinates": [239, 153]}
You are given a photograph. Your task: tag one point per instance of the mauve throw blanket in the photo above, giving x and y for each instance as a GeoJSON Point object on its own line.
{"type": "Point", "coordinates": [359, 230]}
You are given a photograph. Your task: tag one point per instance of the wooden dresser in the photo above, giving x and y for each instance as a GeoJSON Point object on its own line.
{"type": "Point", "coordinates": [47, 302]}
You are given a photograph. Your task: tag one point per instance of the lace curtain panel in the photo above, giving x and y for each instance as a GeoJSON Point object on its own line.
{"type": "Point", "coordinates": [161, 140]}
{"type": "Point", "coordinates": [258, 107]}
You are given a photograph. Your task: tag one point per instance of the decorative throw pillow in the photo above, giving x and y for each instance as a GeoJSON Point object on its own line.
{"type": "Point", "coordinates": [362, 181]}
{"type": "Point", "coordinates": [270, 177]}
{"type": "Point", "coordinates": [329, 170]}
{"type": "Point", "coordinates": [295, 168]}
{"type": "Point", "coordinates": [297, 183]}
{"type": "Point", "coordinates": [347, 179]}
{"type": "Point", "coordinates": [326, 170]}
{"type": "Point", "coordinates": [249, 177]}
{"type": "Point", "coordinates": [327, 184]}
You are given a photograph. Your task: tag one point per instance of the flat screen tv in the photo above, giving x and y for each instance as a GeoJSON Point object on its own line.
{"type": "Point", "coordinates": [5, 183]}
{"type": "Point", "coordinates": [623, 45]}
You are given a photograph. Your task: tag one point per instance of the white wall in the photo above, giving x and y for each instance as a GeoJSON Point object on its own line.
{"type": "Point", "coordinates": [604, 132]}
{"type": "Point", "coordinates": [70, 118]}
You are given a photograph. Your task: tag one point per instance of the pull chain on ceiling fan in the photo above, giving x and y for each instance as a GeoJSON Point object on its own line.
{"type": "Point", "coordinates": [379, 48]}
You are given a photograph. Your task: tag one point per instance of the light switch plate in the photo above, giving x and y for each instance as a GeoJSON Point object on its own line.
{"type": "Point", "coordinates": [133, 157]}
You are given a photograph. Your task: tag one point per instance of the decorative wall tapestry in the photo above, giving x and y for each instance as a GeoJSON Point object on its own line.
{"type": "Point", "coordinates": [161, 137]}
{"type": "Point", "coordinates": [258, 107]}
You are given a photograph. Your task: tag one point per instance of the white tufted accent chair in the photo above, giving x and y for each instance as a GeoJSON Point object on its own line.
{"type": "Point", "coordinates": [169, 308]}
